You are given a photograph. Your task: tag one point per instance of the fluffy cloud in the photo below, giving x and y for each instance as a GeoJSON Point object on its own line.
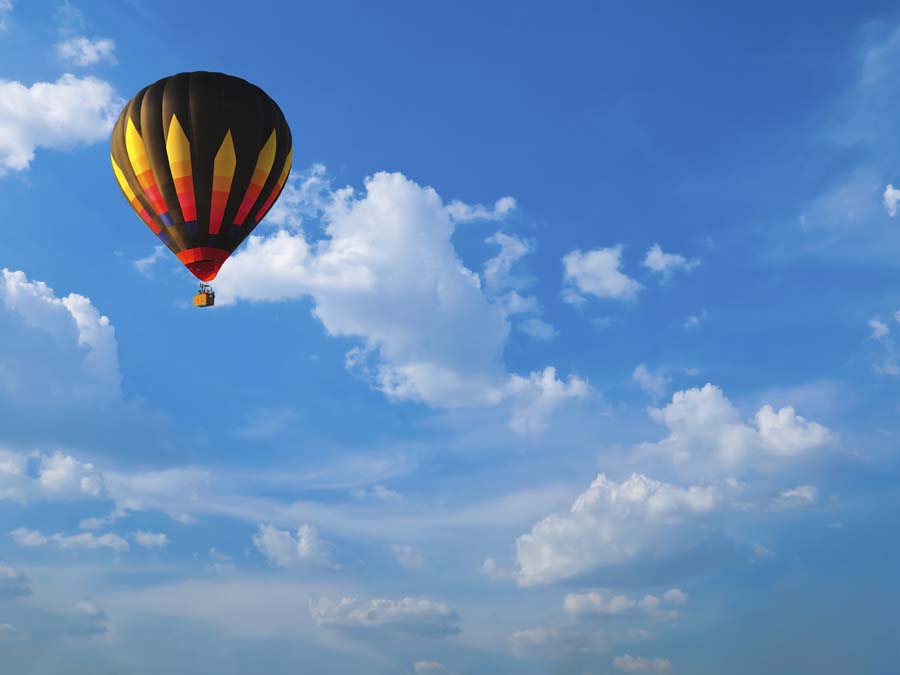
{"type": "Point", "coordinates": [13, 584]}
{"type": "Point", "coordinates": [409, 616]}
{"type": "Point", "coordinates": [83, 51]}
{"type": "Point", "coordinates": [283, 549]}
{"type": "Point", "coordinates": [637, 664]}
{"type": "Point", "coordinates": [84, 540]}
{"type": "Point", "coordinates": [612, 523]}
{"type": "Point", "coordinates": [597, 272]}
{"type": "Point", "coordinates": [386, 271]}
{"type": "Point", "coordinates": [150, 539]}
{"type": "Point", "coordinates": [538, 329]}
{"type": "Point", "coordinates": [539, 395]}
{"type": "Point", "coordinates": [33, 477]}
{"type": "Point", "coordinates": [666, 263]}
{"type": "Point", "coordinates": [879, 329]}
{"type": "Point", "coordinates": [54, 348]}
{"type": "Point", "coordinates": [708, 436]}
{"type": "Point", "coordinates": [61, 114]}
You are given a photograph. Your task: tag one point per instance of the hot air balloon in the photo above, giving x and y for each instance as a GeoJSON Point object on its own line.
{"type": "Point", "coordinates": [201, 157]}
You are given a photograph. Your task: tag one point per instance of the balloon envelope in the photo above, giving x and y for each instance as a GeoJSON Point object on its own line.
{"type": "Point", "coordinates": [201, 157]}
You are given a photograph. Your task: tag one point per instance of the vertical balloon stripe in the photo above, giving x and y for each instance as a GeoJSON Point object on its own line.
{"type": "Point", "coordinates": [223, 173]}
{"type": "Point", "coordinates": [276, 190]}
{"type": "Point", "coordinates": [178, 149]}
{"type": "Point", "coordinates": [132, 198]}
{"type": "Point", "coordinates": [137, 154]}
{"type": "Point", "coordinates": [260, 174]}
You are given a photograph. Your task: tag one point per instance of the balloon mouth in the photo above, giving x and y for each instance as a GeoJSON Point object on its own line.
{"type": "Point", "coordinates": [204, 262]}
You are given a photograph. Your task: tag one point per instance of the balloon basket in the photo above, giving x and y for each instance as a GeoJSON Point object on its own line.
{"type": "Point", "coordinates": [205, 297]}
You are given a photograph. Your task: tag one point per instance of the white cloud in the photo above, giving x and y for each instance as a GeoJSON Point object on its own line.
{"type": "Point", "coordinates": [429, 668]}
{"type": "Point", "coordinates": [220, 563]}
{"type": "Point", "coordinates": [707, 435]}
{"type": "Point", "coordinates": [54, 348]}
{"type": "Point", "coordinates": [267, 423]}
{"type": "Point", "coordinates": [284, 549]}
{"type": "Point", "coordinates": [498, 270]}
{"type": "Point", "coordinates": [83, 51]}
{"type": "Point", "coordinates": [6, 6]}
{"type": "Point", "coordinates": [607, 603]}
{"type": "Point", "coordinates": [879, 329]}
{"type": "Point", "coordinates": [28, 538]}
{"type": "Point", "coordinates": [891, 200]}
{"type": "Point", "coordinates": [597, 272]}
{"type": "Point", "coordinates": [84, 540]}
{"type": "Point", "coordinates": [53, 115]}
{"type": "Point", "coordinates": [637, 664]}
{"type": "Point", "coordinates": [407, 556]}
{"type": "Point", "coordinates": [13, 584]}
{"type": "Point", "coordinates": [797, 497]}
{"type": "Point", "coordinates": [386, 271]}
{"type": "Point", "coordinates": [612, 523]}
{"type": "Point", "coordinates": [538, 329]}
{"type": "Point", "coordinates": [150, 539]}
{"type": "Point", "coordinates": [666, 263]}
{"type": "Point", "coordinates": [694, 320]}
{"type": "Point", "coordinates": [539, 395]}
{"type": "Point", "coordinates": [492, 570]}
{"type": "Point", "coordinates": [145, 265]}
{"type": "Point", "coordinates": [33, 477]}
{"type": "Point", "coordinates": [462, 212]}
{"type": "Point", "coordinates": [654, 384]}
{"type": "Point", "coordinates": [410, 616]}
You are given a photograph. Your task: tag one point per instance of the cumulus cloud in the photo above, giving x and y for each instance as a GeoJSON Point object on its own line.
{"type": "Point", "coordinates": [13, 584]}
{"type": "Point", "coordinates": [539, 395]}
{"type": "Point", "coordinates": [654, 384]}
{"type": "Point", "coordinates": [286, 550]}
{"type": "Point", "coordinates": [638, 664]}
{"type": "Point", "coordinates": [409, 616]}
{"type": "Point", "coordinates": [597, 272]}
{"type": "Point", "coordinates": [54, 115]}
{"type": "Point", "coordinates": [707, 434]}
{"type": "Point", "coordinates": [85, 540]}
{"type": "Point", "coordinates": [84, 51]}
{"type": "Point", "coordinates": [150, 539]}
{"type": "Point", "coordinates": [36, 476]}
{"type": "Point", "coordinates": [613, 523]}
{"type": "Point", "coordinates": [385, 271]}
{"type": "Point", "coordinates": [54, 348]}
{"type": "Point", "coordinates": [666, 263]}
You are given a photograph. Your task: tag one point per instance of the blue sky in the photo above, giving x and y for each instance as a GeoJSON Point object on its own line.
{"type": "Point", "coordinates": [570, 347]}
